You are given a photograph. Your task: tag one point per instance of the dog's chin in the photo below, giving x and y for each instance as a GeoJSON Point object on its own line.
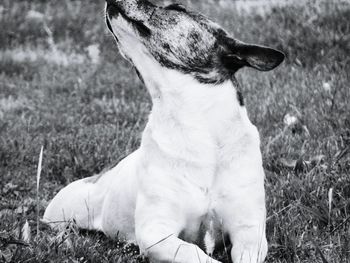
{"type": "Point", "coordinates": [122, 30]}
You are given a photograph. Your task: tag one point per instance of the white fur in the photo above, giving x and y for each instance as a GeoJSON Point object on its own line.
{"type": "Point", "coordinates": [199, 159]}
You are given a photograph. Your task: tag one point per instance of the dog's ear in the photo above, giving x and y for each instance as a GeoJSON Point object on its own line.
{"type": "Point", "coordinates": [240, 54]}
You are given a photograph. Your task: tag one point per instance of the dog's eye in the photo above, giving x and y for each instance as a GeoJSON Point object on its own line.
{"type": "Point", "coordinates": [176, 7]}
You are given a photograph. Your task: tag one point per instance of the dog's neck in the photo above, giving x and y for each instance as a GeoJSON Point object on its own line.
{"type": "Point", "coordinates": [188, 116]}
{"type": "Point", "coordinates": [180, 97]}
{"type": "Point", "coordinates": [190, 103]}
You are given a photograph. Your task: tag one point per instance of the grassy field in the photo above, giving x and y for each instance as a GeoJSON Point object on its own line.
{"type": "Point", "coordinates": [64, 86]}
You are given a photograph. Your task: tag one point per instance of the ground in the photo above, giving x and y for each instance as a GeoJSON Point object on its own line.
{"type": "Point", "coordinates": [64, 86]}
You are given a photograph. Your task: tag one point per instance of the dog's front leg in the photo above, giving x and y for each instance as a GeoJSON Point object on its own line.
{"type": "Point", "coordinates": [242, 209]}
{"type": "Point", "coordinates": [158, 224]}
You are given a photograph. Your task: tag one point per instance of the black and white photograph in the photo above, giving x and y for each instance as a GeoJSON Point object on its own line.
{"type": "Point", "coordinates": [177, 131]}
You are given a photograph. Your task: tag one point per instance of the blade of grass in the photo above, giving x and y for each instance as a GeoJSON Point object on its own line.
{"type": "Point", "coordinates": [330, 200]}
{"type": "Point", "coordinates": [26, 232]}
{"type": "Point", "coordinates": [37, 188]}
{"type": "Point", "coordinates": [160, 241]}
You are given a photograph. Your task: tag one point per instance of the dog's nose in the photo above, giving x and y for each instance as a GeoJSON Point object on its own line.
{"type": "Point", "coordinates": [139, 10]}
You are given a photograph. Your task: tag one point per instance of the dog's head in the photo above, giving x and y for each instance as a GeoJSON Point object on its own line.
{"type": "Point", "coordinates": [183, 40]}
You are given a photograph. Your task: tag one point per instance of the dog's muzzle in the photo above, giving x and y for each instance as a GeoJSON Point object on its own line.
{"type": "Point", "coordinates": [135, 17]}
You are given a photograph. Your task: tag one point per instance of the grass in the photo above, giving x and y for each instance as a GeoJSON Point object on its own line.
{"type": "Point", "coordinates": [88, 116]}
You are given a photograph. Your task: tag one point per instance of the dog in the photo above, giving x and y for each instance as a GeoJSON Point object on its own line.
{"type": "Point", "coordinates": [197, 176]}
